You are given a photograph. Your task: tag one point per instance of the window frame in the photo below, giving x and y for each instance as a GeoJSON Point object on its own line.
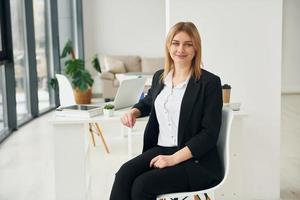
{"type": "Point", "coordinates": [6, 60]}
{"type": "Point", "coordinates": [2, 51]}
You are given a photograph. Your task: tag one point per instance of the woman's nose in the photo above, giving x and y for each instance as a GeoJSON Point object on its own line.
{"type": "Point", "coordinates": [180, 48]}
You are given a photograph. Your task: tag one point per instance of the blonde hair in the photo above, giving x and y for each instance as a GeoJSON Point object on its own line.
{"type": "Point", "coordinates": [191, 30]}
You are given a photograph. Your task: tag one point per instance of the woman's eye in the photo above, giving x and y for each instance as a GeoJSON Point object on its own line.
{"type": "Point", "coordinates": [175, 43]}
{"type": "Point", "coordinates": [189, 45]}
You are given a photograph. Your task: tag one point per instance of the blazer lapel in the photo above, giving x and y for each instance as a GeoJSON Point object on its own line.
{"type": "Point", "coordinates": [156, 91]}
{"type": "Point", "coordinates": [188, 101]}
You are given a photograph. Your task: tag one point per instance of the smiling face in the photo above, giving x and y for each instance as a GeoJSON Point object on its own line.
{"type": "Point", "coordinates": [182, 49]}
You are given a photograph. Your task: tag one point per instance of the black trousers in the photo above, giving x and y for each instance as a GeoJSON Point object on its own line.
{"type": "Point", "coordinates": [135, 180]}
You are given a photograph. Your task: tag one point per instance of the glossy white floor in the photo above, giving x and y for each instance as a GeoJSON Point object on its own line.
{"type": "Point", "coordinates": [26, 158]}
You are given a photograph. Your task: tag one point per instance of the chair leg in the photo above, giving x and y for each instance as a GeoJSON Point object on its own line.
{"type": "Point", "coordinates": [206, 196]}
{"type": "Point", "coordinates": [196, 197]}
{"type": "Point", "coordinates": [92, 134]}
{"type": "Point", "coordinates": [102, 137]}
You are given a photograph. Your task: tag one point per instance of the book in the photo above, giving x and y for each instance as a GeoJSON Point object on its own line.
{"type": "Point", "coordinates": [78, 110]}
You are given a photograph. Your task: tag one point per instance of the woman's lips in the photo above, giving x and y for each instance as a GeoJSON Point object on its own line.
{"type": "Point", "coordinates": [181, 56]}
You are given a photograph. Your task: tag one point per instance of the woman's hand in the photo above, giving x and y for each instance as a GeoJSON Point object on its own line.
{"type": "Point", "coordinates": [162, 161]}
{"type": "Point", "coordinates": [129, 118]}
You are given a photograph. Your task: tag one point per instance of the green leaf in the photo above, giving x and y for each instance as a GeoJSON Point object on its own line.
{"type": "Point", "coordinates": [73, 66]}
{"type": "Point", "coordinates": [96, 63]}
{"type": "Point", "coordinates": [109, 106]}
{"type": "Point", "coordinates": [83, 86]}
{"type": "Point", "coordinates": [53, 84]}
{"type": "Point", "coordinates": [67, 49]}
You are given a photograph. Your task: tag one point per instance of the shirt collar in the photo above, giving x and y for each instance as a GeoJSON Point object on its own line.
{"type": "Point", "coordinates": [168, 80]}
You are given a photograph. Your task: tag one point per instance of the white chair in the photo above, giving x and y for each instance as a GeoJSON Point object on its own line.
{"type": "Point", "coordinates": [223, 149]}
{"type": "Point", "coordinates": [66, 97]}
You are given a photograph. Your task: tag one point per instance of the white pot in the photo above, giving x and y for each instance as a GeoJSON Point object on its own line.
{"type": "Point", "coordinates": [108, 112]}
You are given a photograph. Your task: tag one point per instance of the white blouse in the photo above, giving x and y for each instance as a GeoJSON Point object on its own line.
{"type": "Point", "coordinates": [167, 107]}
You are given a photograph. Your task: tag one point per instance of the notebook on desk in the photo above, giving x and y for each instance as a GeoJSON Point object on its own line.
{"type": "Point", "coordinates": [78, 110]}
{"type": "Point", "coordinates": [129, 93]}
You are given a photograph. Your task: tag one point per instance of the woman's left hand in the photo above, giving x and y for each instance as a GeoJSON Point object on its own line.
{"type": "Point", "coordinates": [162, 161]}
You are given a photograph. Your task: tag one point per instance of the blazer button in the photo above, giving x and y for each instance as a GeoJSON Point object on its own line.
{"type": "Point", "coordinates": [196, 161]}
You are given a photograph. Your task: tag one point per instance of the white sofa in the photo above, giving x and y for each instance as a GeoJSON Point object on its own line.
{"type": "Point", "coordinates": [112, 65]}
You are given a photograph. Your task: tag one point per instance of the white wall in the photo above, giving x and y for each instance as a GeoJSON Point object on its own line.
{"type": "Point", "coordinates": [132, 27]}
{"type": "Point", "coordinates": [242, 44]}
{"type": "Point", "coordinates": [291, 46]}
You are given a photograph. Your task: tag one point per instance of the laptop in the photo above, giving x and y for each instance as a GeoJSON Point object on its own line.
{"type": "Point", "coordinates": [129, 92]}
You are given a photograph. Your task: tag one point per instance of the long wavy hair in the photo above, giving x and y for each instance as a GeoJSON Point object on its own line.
{"type": "Point", "coordinates": [191, 30]}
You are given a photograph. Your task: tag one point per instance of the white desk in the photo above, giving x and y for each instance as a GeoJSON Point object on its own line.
{"type": "Point", "coordinates": [71, 160]}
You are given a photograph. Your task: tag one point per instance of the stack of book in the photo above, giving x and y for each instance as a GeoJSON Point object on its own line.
{"type": "Point", "coordinates": [82, 111]}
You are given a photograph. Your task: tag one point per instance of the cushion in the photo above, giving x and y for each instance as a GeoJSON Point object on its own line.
{"type": "Point", "coordinates": [114, 66]}
{"type": "Point", "coordinates": [101, 60]}
{"type": "Point", "coordinates": [151, 65]}
{"type": "Point", "coordinates": [107, 75]}
{"type": "Point", "coordinates": [131, 63]}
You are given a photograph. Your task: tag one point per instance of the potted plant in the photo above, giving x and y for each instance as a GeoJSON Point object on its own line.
{"type": "Point", "coordinates": [108, 110]}
{"type": "Point", "coordinates": [81, 79]}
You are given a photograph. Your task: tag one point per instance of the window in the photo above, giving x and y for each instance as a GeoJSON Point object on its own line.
{"type": "Point", "coordinates": [71, 25]}
{"type": "Point", "coordinates": [42, 44]}
{"type": "Point", "coordinates": [20, 60]}
{"type": "Point", "coordinates": [3, 122]}
{"type": "Point", "coordinates": [29, 54]}
{"type": "Point", "coordinates": [1, 33]}
{"type": "Point", "coordinates": [3, 115]}
{"type": "Point", "coordinates": [0, 38]}
{"type": "Point", "coordinates": [66, 26]}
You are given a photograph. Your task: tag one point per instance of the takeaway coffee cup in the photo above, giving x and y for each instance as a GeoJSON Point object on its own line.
{"type": "Point", "coordinates": [226, 89]}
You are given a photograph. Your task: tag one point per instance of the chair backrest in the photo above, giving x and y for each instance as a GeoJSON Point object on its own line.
{"type": "Point", "coordinates": [223, 150]}
{"type": "Point", "coordinates": [66, 95]}
{"type": "Point", "coordinates": [223, 140]}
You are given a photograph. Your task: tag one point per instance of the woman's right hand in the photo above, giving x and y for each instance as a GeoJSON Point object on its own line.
{"type": "Point", "coordinates": [129, 118]}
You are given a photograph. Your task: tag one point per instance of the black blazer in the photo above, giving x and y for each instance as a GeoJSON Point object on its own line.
{"type": "Point", "coordinates": [199, 122]}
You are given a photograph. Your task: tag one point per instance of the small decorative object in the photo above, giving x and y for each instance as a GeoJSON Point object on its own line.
{"type": "Point", "coordinates": [108, 110]}
{"type": "Point", "coordinates": [235, 106]}
{"type": "Point", "coordinates": [226, 93]}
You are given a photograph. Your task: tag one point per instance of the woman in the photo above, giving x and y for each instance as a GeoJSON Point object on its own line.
{"type": "Point", "coordinates": [185, 108]}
